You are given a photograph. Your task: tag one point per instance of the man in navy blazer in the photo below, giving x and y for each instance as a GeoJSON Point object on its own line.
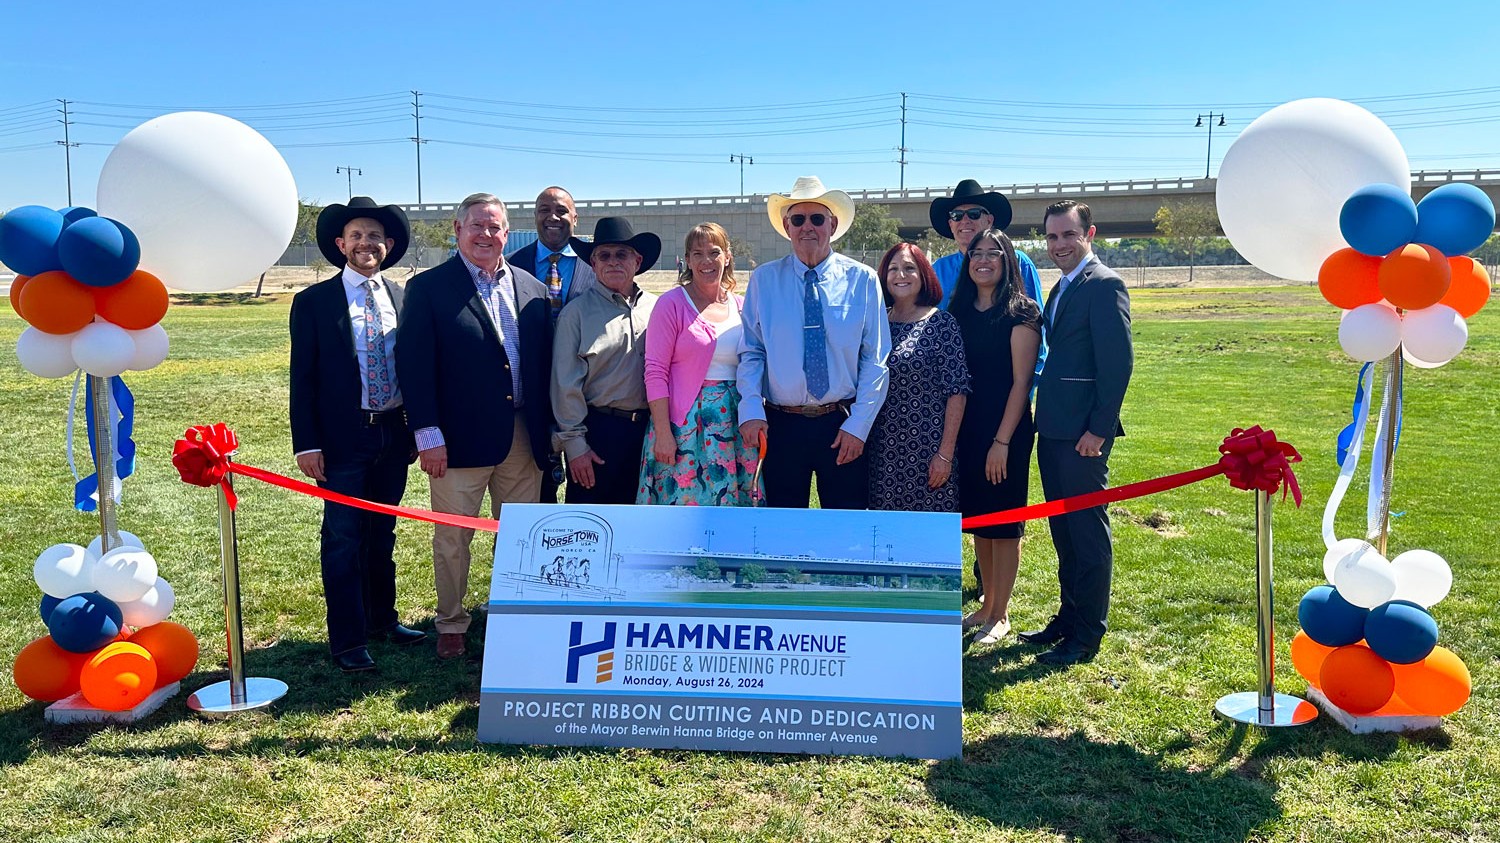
{"type": "Point", "coordinates": [1089, 361]}
{"type": "Point", "coordinates": [348, 428]}
{"type": "Point", "coordinates": [475, 367]}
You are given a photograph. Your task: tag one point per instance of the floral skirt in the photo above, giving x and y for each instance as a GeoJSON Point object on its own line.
{"type": "Point", "coordinates": [713, 466]}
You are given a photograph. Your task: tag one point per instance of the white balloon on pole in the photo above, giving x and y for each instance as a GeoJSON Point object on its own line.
{"type": "Point", "coordinates": [1418, 362]}
{"type": "Point", "coordinates": [46, 355]}
{"type": "Point", "coordinates": [151, 346]}
{"type": "Point", "coordinates": [1370, 332]}
{"type": "Point", "coordinates": [125, 574]}
{"type": "Point", "coordinates": [127, 539]}
{"type": "Point", "coordinates": [1364, 578]}
{"type": "Point", "coordinates": [1340, 549]}
{"type": "Point", "coordinates": [152, 607]}
{"type": "Point", "coordinates": [1284, 181]}
{"type": "Point", "coordinates": [103, 349]}
{"type": "Point", "coordinates": [211, 200]}
{"type": "Point", "coordinates": [64, 570]}
{"type": "Point", "coordinates": [1434, 335]}
{"type": "Point", "coordinates": [1423, 577]}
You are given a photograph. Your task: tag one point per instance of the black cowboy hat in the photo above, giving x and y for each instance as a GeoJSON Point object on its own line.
{"type": "Point", "coordinates": [617, 230]}
{"type": "Point", "coordinates": [968, 192]}
{"type": "Point", "coordinates": [332, 220]}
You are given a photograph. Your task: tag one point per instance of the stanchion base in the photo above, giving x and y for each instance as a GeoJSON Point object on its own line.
{"type": "Point", "coordinates": [213, 701]}
{"type": "Point", "coordinates": [1287, 710]}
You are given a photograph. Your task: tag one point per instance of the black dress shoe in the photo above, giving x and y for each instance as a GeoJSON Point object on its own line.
{"type": "Point", "coordinates": [1066, 653]}
{"type": "Point", "coordinates": [399, 634]}
{"type": "Point", "coordinates": [1046, 636]}
{"type": "Point", "coordinates": [355, 661]}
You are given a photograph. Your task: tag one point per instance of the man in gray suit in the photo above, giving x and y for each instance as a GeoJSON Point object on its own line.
{"type": "Point", "coordinates": [1089, 360]}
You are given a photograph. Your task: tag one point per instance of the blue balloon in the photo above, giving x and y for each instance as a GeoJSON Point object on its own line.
{"type": "Point", "coordinates": [28, 239]}
{"type": "Point", "coordinates": [1378, 219]}
{"type": "Point", "coordinates": [99, 251]}
{"type": "Point", "coordinates": [1329, 619]}
{"type": "Point", "coordinates": [48, 604]}
{"type": "Point", "coordinates": [1401, 632]}
{"type": "Point", "coordinates": [74, 213]}
{"type": "Point", "coordinates": [85, 622]}
{"type": "Point", "coordinates": [1455, 219]}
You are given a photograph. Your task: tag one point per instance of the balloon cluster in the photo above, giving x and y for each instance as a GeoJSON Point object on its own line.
{"type": "Point", "coordinates": [81, 290]}
{"type": "Point", "coordinates": [1406, 279]}
{"type": "Point", "coordinates": [90, 602]}
{"type": "Point", "coordinates": [1368, 641]}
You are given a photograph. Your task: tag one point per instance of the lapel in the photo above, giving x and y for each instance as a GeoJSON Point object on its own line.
{"type": "Point", "coordinates": [464, 286]}
{"type": "Point", "coordinates": [338, 300]}
{"type": "Point", "coordinates": [1070, 294]}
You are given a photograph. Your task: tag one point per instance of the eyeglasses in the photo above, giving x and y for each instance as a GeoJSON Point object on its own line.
{"type": "Point", "coordinates": [986, 255]}
{"type": "Point", "coordinates": [613, 255]}
{"type": "Point", "coordinates": [798, 219]}
{"type": "Point", "coordinates": [971, 213]}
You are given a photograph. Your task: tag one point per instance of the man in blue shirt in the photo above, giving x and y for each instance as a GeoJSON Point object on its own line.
{"type": "Point", "coordinates": [812, 373]}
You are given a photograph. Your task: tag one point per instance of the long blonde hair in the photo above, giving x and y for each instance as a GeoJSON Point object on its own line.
{"type": "Point", "coordinates": [709, 232]}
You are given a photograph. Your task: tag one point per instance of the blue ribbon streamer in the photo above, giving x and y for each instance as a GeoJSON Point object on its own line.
{"type": "Point", "coordinates": [1346, 436]}
{"type": "Point", "coordinates": [85, 491]}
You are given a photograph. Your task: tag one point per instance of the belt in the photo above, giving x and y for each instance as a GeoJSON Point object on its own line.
{"type": "Point", "coordinates": [371, 418]}
{"type": "Point", "coordinates": [813, 410]}
{"type": "Point", "coordinates": [628, 415]}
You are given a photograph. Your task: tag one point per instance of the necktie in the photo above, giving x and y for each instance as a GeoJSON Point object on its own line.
{"type": "Point", "coordinates": [380, 384]}
{"type": "Point", "coordinates": [554, 285]}
{"type": "Point", "coordinates": [814, 338]}
{"type": "Point", "coordinates": [1056, 302]}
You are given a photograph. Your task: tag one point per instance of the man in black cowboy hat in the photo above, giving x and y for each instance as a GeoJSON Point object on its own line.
{"type": "Point", "coordinates": [348, 427]}
{"type": "Point", "coordinates": [960, 217]}
{"type": "Point", "coordinates": [598, 367]}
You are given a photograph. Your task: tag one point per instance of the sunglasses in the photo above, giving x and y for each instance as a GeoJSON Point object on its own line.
{"type": "Point", "coordinates": [798, 219]}
{"type": "Point", "coordinates": [971, 213]}
{"type": "Point", "coordinates": [612, 255]}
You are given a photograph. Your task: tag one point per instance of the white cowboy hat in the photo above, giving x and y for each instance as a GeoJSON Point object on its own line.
{"type": "Point", "coordinates": [811, 189]}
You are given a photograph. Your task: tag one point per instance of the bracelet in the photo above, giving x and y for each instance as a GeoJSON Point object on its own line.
{"type": "Point", "coordinates": [999, 442]}
{"type": "Point", "coordinates": [943, 458]}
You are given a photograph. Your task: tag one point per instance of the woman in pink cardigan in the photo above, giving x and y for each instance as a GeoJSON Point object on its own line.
{"type": "Point", "coordinates": [693, 453]}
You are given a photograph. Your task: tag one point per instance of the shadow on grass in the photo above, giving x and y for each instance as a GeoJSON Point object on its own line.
{"type": "Point", "coordinates": [221, 299]}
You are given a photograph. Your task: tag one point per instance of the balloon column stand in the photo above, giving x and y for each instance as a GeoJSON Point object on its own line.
{"type": "Point", "coordinates": [238, 694]}
{"type": "Point", "coordinates": [1364, 724]}
{"type": "Point", "coordinates": [1263, 706]}
{"type": "Point", "coordinates": [76, 709]}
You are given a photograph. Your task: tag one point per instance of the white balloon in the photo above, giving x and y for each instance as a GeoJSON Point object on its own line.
{"type": "Point", "coordinates": [46, 355]}
{"type": "Point", "coordinates": [1434, 334]}
{"type": "Point", "coordinates": [151, 346]}
{"type": "Point", "coordinates": [1370, 332]}
{"type": "Point", "coordinates": [64, 570]}
{"type": "Point", "coordinates": [1340, 549]}
{"type": "Point", "coordinates": [1423, 577]}
{"type": "Point", "coordinates": [1364, 578]}
{"type": "Point", "coordinates": [125, 574]}
{"type": "Point", "coordinates": [127, 539]}
{"type": "Point", "coordinates": [103, 349]}
{"type": "Point", "coordinates": [1419, 363]}
{"type": "Point", "coordinates": [153, 606]}
{"type": "Point", "coordinates": [185, 182]}
{"type": "Point", "coordinates": [1284, 181]}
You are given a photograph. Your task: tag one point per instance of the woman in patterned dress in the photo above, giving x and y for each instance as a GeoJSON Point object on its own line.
{"type": "Point", "coordinates": [1002, 330]}
{"type": "Point", "coordinates": [693, 453]}
{"type": "Point", "coordinates": [911, 445]}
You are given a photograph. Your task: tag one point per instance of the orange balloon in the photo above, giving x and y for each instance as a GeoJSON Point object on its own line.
{"type": "Point", "coordinates": [15, 293]}
{"type": "Point", "coordinates": [119, 676]}
{"type": "Point", "coordinates": [139, 301]}
{"type": "Point", "coordinates": [47, 672]}
{"type": "Point", "coordinates": [1415, 276]}
{"type": "Point", "coordinates": [173, 647]}
{"type": "Point", "coordinates": [1470, 288]}
{"type": "Point", "coordinates": [1308, 656]}
{"type": "Point", "coordinates": [1349, 279]}
{"type": "Point", "coordinates": [54, 303]}
{"type": "Point", "coordinates": [1437, 685]}
{"type": "Point", "coordinates": [1356, 680]}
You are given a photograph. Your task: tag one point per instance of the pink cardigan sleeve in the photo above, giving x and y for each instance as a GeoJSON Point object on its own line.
{"type": "Point", "coordinates": [661, 338]}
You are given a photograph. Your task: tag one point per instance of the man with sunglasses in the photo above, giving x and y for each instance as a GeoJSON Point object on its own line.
{"type": "Point", "coordinates": [812, 372]}
{"type": "Point", "coordinates": [960, 218]}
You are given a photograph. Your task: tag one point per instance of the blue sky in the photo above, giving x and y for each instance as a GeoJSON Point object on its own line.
{"type": "Point", "coordinates": [652, 99]}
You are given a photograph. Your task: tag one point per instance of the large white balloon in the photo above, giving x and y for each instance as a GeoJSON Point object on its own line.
{"type": "Point", "coordinates": [151, 346]}
{"type": "Point", "coordinates": [1423, 577]}
{"type": "Point", "coordinates": [1433, 335]}
{"type": "Point", "coordinates": [125, 574]}
{"type": "Point", "coordinates": [1284, 181]}
{"type": "Point", "coordinates": [153, 606]}
{"type": "Point", "coordinates": [1362, 577]}
{"type": "Point", "coordinates": [46, 355]}
{"type": "Point", "coordinates": [1370, 332]}
{"type": "Point", "coordinates": [64, 570]}
{"type": "Point", "coordinates": [103, 349]}
{"type": "Point", "coordinates": [127, 539]}
{"type": "Point", "coordinates": [210, 199]}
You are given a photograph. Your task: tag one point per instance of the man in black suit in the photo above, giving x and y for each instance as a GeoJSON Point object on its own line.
{"type": "Point", "coordinates": [475, 363]}
{"type": "Point", "coordinates": [1089, 360]}
{"type": "Point", "coordinates": [348, 428]}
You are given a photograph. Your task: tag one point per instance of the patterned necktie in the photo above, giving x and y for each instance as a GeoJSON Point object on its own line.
{"type": "Point", "coordinates": [554, 285]}
{"type": "Point", "coordinates": [380, 384]}
{"type": "Point", "coordinates": [814, 338]}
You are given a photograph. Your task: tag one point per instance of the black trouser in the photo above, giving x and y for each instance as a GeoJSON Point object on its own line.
{"type": "Point", "coordinates": [1085, 554]}
{"type": "Point", "coordinates": [798, 447]}
{"type": "Point", "coordinates": [617, 441]}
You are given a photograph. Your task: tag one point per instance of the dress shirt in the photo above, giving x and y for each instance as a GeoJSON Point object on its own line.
{"type": "Point", "coordinates": [598, 360]}
{"type": "Point", "coordinates": [565, 265]}
{"type": "Point", "coordinates": [355, 287]}
{"type": "Point", "coordinates": [1062, 284]}
{"type": "Point", "coordinates": [859, 339]}
{"type": "Point", "coordinates": [947, 269]}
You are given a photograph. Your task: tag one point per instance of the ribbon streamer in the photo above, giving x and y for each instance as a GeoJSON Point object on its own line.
{"type": "Point", "coordinates": [121, 410]}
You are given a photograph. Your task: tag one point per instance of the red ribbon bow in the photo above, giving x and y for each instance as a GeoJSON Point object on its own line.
{"type": "Point", "coordinates": [1254, 459]}
{"type": "Point", "coordinates": [202, 457]}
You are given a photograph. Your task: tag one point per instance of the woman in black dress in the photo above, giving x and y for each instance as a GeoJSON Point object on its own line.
{"type": "Point", "coordinates": [1002, 330]}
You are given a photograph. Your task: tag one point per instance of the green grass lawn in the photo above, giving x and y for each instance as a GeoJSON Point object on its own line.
{"type": "Point", "coordinates": [1125, 748]}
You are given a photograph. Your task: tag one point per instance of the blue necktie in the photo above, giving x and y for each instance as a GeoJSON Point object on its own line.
{"type": "Point", "coordinates": [814, 338]}
{"type": "Point", "coordinates": [1056, 302]}
{"type": "Point", "coordinates": [380, 384]}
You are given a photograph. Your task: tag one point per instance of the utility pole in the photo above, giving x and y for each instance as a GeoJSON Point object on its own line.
{"type": "Point", "coordinates": [902, 148]}
{"type": "Point", "coordinates": [743, 159]}
{"type": "Point", "coordinates": [1208, 161]}
{"type": "Point", "coordinates": [67, 144]}
{"type": "Point", "coordinates": [350, 172]}
{"type": "Point", "coordinates": [416, 113]}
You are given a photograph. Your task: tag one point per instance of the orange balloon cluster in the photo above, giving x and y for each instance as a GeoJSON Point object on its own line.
{"type": "Point", "coordinates": [1413, 277]}
{"type": "Point", "coordinates": [55, 303]}
{"type": "Point", "coordinates": [118, 676]}
{"type": "Point", "coordinates": [1360, 682]}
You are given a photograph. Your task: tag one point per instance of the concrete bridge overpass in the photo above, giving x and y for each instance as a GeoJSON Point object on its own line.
{"type": "Point", "coordinates": [1121, 208]}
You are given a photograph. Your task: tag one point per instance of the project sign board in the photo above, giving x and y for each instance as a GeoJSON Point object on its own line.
{"type": "Point", "coordinates": [759, 630]}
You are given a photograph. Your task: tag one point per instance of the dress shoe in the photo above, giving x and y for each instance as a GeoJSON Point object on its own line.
{"type": "Point", "coordinates": [992, 633]}
{"type": "Point", "coordinates": [354, 661]}
{"type": "Point", "coordinates": [399, 634]}
{"type": "Point", "coordinates": [1046, 636]}
{"type": "Point", "coordinates": [1067, 653]}
{"type": "Point", "coordinates": [450, 645]}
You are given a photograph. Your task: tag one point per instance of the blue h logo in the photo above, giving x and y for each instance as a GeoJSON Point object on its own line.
{"type": "Point", "coordinates": [577, 650]}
